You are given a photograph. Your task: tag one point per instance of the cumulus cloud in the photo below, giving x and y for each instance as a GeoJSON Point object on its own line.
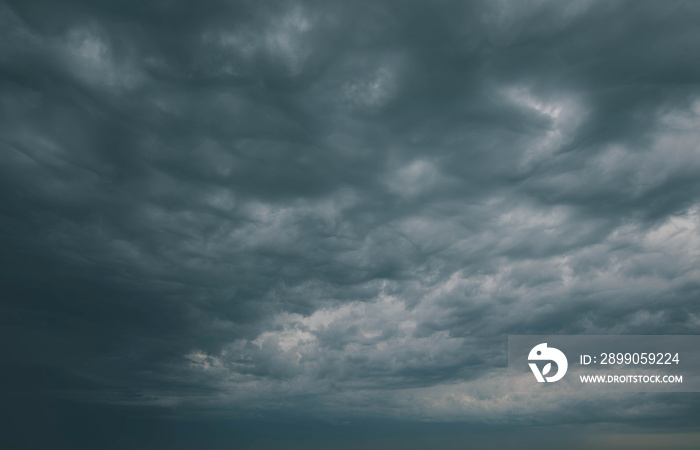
{"type": "Point", "coordinates": [342, 209]}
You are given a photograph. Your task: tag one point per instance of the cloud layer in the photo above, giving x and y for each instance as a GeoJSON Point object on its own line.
{"type": "Point", "coordinates": [341, 209]}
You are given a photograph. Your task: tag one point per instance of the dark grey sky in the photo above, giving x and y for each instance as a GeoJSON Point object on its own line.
{"type": "Point", "coordinates": [314, 224]}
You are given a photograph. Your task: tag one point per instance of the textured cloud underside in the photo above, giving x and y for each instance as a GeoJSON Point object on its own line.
{"type": "Point", "coordinates": [343, 208]}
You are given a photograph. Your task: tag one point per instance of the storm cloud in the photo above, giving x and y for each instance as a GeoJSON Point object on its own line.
{"type": "Point", "coordinates": [339, 210]}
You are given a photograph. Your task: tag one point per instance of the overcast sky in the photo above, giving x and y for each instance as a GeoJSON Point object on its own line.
{"type": "Point", "coordinates": [315, 224]}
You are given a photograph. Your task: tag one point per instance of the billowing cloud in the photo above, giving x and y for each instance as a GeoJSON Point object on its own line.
{"type": "Point", "coordinates": [341, 209]}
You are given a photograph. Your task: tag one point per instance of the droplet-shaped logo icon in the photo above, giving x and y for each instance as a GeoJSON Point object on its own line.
{"type": "Point", "coordinates": [543, 353]}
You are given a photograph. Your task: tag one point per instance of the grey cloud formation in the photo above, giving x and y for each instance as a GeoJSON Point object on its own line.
{"type": "Point", "coordinates": [339, 210]}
